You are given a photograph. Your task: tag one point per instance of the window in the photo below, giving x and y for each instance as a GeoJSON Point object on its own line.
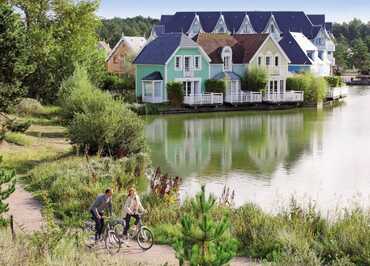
{"type": "Point", "coordinates": [275, 86]}
{"type": "Point", "coordinates": [227, 58]}
{"type": "Point", "coordinates": [197, 62]}
{"type": "Point", "coordinates": [276, 60]}
{"type": "Point", "coordinates": [272, 28]}
{"type": "Point", "coordinates": [148, 89]}
{"type": "Point", "coordinates": [115, 60]}
{"type": "Point", "coordinates": [268, 60]}
{"type": "Point", "coordinates": [282, 86]}
{"type": "Point", "coordinates": [259, 60]}
{"type": "Point", "coordinates": [187, 65]}
{"type": "Point", "coordinates": [178, 62]}
{"type": "Point", "coordinates": [157, 88]}
{"type": "Point", "coordinates": [271, 86]}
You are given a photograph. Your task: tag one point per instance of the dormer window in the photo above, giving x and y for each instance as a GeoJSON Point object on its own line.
{"type": "Point", "coordinates": [246, 26]}
{"type": "Point", "coordinates": [272, 28]}
{"type": "Point", "coordinates": [220, 26]}
{"type": "Point", "coordinates": [227, 58]}
{"type": "Point", "coordinates": [195, 27]}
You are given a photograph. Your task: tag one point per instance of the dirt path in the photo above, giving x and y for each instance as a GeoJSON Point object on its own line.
{"type": "Point", "coordinates": [159, 255]}
{"type": "Point", "coordinates": [26, 210]}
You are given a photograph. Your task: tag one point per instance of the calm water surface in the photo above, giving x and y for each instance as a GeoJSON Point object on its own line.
{"type": "Point", "coordinates": [267, 157]}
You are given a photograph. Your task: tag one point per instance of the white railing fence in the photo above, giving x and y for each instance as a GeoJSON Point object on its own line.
{"type": "Point", "coordinates": [244, 97]}
{"type": "Point", "coordinates": [337, 92]}
{"type": "Point", "coordinates": [206, 98]}
{"type": "Point", "coordinates": [289, 96]}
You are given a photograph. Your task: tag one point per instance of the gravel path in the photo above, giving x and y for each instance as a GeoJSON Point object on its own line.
{"type": "Point", "coordinates": [26, 210]}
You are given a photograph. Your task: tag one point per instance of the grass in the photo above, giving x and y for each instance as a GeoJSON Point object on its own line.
{"type": "Point", "coordinates": [18, 138]}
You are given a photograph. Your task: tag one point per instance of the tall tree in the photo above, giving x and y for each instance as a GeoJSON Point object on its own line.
{"type": "Point", "coordinates": [13, 57]}
{"type": "Point", "coordinates": [204, 242]}
{"type": "Point", "coordinates": [360, 56]}
{"type": "Point", "coordinates": [7, 187]}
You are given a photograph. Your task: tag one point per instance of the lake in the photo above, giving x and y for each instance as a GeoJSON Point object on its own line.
{"type": "Point", "coordinates": [268, 157]}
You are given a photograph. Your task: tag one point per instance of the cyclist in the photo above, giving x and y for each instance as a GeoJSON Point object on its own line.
{"type": "Point", "coordinates": [132, 208]}
{"type": "Point", "coordinates": [101, 203]}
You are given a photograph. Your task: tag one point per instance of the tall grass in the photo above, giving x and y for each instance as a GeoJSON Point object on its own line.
{"type": "Point", "coordinates": [18, 138]}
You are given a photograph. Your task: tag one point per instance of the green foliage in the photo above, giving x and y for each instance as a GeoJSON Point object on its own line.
{"type": "Point", "coordinates": [18, 138]}
{"type": "Point", "coordinates": [97, 121]}
{"type": "Point", "coordinates": [203, 241]}
{"type": "Point", "coordinates": [217, 86]}
{"type": "Point", "coordinates": [59, 42]}
{"type": "Point", "coordinates": [314, 87]}
{"type": "Point", "coordinates": [18, 125]}
{"type": "Point", "coordinates": [334, 81]}
{"type": "Point", "coordinates": [14, 65]}
{"type": "Point", "coordinates": [255, 79]}
{"type": "Point", "coordinates": [361, 55]}
{"type": "Point", "coordinates": [175, 93]}
{"type": "Point", "coordinates": [28, 106]}
{"type": "Point", "coordinates": [72, 183]}
{"type": "Point", "coordinates": [7, 187]}
{"type": "Point", "coordinates": [120, 86]}
{"type": "Point", "coordinates": [111, 29]}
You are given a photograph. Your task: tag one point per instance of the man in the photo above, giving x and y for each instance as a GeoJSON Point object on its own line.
{"type": "Point", "coordinates": [132, 208]}
{"type": "Point", "coordinates": [102, 202]}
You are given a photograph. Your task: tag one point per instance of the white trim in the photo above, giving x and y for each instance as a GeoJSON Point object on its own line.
{"type": "Point", "coordinates": [195, 47]}
{"type": "Point", "coordinates": [196, 18]}
{"type": "Point", "coordinates": [220, 20]}
{"type": "Point", "coordinates": [272, 20]}
{"type": "Point", "coordinates": [246, 23]}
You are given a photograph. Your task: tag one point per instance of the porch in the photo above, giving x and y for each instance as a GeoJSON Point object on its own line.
{"type": "Point", "coordinates": [284, 97]}
{"type": "Point", "coordinates": [244, 97]}
{"type": "Point", "coordinates": [204, 99]}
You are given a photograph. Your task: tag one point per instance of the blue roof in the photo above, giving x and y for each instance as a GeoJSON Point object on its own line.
{"type": "Point", "coordinates": [158, 51]}
{"type": "Point", "coordinates": [153, 76]}
{"type": "Point", "coordinates": [226, 75]}
{"type": "Point", "coordinates": [292, 49]}
{"type": "Point", "coordinates": [288, 21]}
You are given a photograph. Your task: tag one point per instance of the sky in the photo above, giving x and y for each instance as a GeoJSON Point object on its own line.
{"type": "Point", "coordinates": [335, 10]}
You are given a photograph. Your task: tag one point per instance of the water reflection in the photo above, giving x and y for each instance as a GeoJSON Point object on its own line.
{"type": "Point", "coordinates": [216, 144]}
{"type": "Point", "coordinates": [268, 156]}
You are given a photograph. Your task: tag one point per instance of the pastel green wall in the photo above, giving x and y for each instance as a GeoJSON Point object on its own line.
{"type": "Point", "coordinates": [144, 70]}
{"type": "Point", "coordinates": [173, 74]}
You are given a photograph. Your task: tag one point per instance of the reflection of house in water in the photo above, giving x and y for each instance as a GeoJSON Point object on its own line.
{"type": "Point", "coordinates": [214, 145]}
{"type": "Point", "coordinates": [276, 146]}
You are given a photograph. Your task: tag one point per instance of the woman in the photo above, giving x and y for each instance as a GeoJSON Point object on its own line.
{"type": "Point", "coordinates": [132, 208]}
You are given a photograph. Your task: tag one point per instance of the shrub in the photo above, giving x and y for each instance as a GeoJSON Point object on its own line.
{"type": "Point", "coordinates": [29, 106]}
{"type": "Point", "coordinates": [18, 125]}
{"type": "Point", "coordinates": [255, 79]}
{"type": "Point", "coordinates": [175, 93]}
{"type": "Point", "coordinates": [120, 86]}
{"type": "Point", "coordinates": [314, 87]}
{"type": "Point", "coordinates": [18, 138]}
{"type": "Point", "coordinates": [10, 95]}
{"type": "Point", "coordinates": [334, 81]}
{"type": "Point", "coordinates": [217, 86]}
{"type": "Point", "coordinates": [99, 122]}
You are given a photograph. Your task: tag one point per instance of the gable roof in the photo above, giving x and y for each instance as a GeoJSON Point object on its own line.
{"type": "Point", "coordinates": [294, 51]}
{"type": "Point", "coordinates": [244, 46]}
{"type": "Point", "coordinates": [134, 44]}
{"type": "Point", "coordinates": [287, 21]}
{"type": "Point", "coordinates": [158, 51]}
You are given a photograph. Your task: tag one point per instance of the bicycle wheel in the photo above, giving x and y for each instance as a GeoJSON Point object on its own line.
{"type": "Point", "coordinates": [145, 238]}
{"type": "Point", "coordinates": [112, 242]}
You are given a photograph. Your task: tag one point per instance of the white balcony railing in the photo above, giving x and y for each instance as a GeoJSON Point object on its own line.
{"type": "Point", "coordinates": [153, 99]}
{"type": "Point", "coordinates": [337, 92]}
{"type": "Point", "coordinates": [244, 97]}
{"type": "Point", "coordinates": [289, 96]}
{"type": "Point", "coordinates": [188, 73]}
{"type": "Point", "coordinates": [204, 99]}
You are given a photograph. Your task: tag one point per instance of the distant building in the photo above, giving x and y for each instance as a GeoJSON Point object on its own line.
{"type": "Point", "coordinates": [119, 60]}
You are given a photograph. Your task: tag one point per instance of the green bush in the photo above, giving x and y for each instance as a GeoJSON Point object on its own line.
{"type": "Point", "coordinates": [175, 93]}
{"type": "Point", "coordinates": [334, 81]}
{"type": "Point", "coordinates": [18, 125]}
{"type": "Point", "coordinates": [99, 122]}
{"type": "Point", "coordinates": [255, 79]}
{"type": "Point", "coordinates": [217, 86]}
{"type": "Point", "coordinates": [120, 86]}
{"type": "Point", "coordinates": [29, 106]}
{"type": "Point", "coordinates": [18, 138]}
{"type": "Point", "coordinates": [10, 95]}
{"type": "Point", "coordinates": [314, 87]}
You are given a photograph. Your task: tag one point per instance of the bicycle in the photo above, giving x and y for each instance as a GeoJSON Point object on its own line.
{"type": "Point", "coordinates": [111, 240]}
{"type": "Point", "coordinates": [143, 235]}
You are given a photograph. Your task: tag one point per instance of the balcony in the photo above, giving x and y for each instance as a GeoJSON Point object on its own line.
{"type": "Point", "coordinates": [286, 97]}
{"type": "Point", "coordinates": [204, 99]}
{"type": "Point", "coordinates": [244, 97]}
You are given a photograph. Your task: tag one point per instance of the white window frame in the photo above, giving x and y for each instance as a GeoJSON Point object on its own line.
{"type": "Point", "coordinates": [152, 88]}
{"type": "Point", "coordinates": [259, 60]}
{"type": "Point", "coordinates": [278, 61]}
{"type": "Point", "coordinates": [190, 63]}
{"type": "Point", "coordinates": [268, 58]}
{"type": "Point", "coordinates": [199, 67]}
{"type": "Point", "coordinates": [178, 68]}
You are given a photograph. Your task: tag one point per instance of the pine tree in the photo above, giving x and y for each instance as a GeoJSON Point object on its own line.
{"type": "Point", "coordinates": [7, 187]}
{"type": "Point", "coordinates": [204, 242]}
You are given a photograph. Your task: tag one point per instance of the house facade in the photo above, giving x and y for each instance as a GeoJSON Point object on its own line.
{"type": "Point", "coordinates": [175, 57]}
{"type": "Point", "coordinates": [278, 24]}
{"type": "Point", "coordinates": [119, 60]}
